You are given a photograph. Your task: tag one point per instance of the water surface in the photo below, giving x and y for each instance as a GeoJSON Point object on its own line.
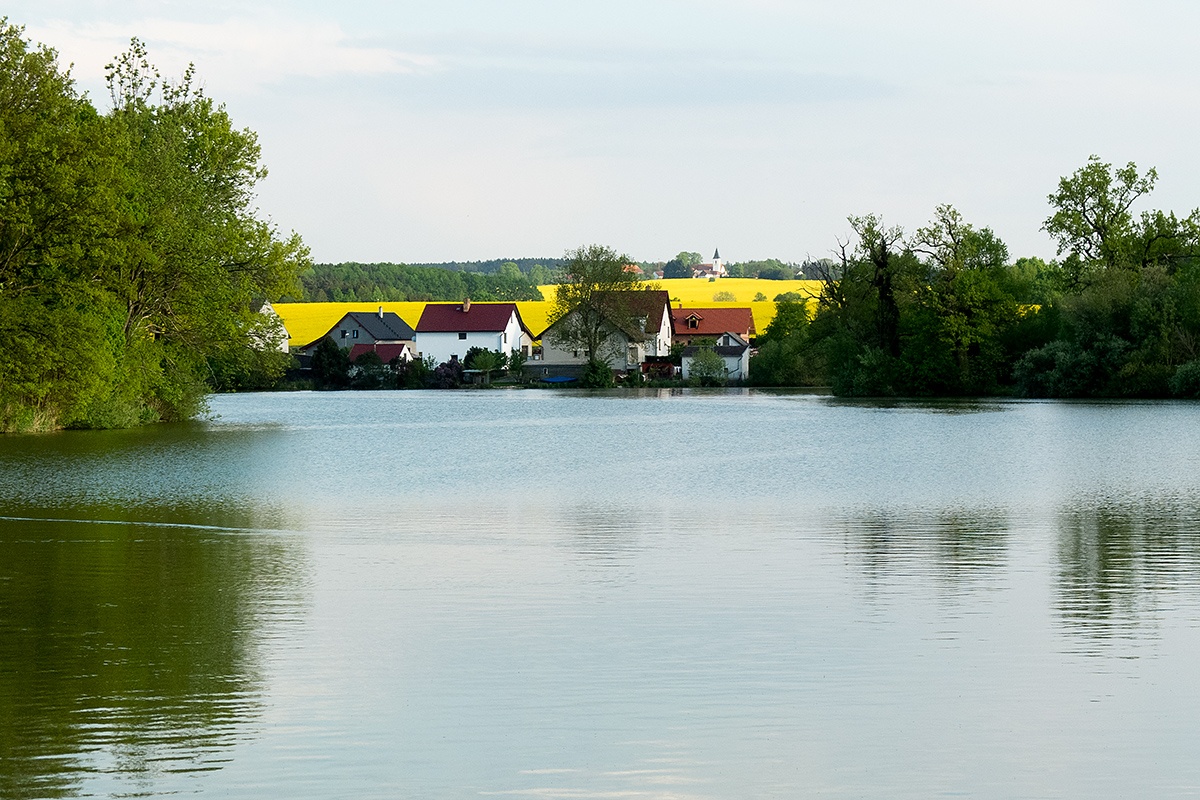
{"type": "Point", "coordinates": [558, 595]}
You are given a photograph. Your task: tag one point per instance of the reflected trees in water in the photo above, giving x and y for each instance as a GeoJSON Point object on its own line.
{"type": "Point", "coordinates": [130, 645]}
{"type": "Point", "coordinates": [1116, 563]}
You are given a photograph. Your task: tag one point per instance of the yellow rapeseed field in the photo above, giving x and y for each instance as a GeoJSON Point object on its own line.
{"type": "Point", "coordinates": [307, 322]}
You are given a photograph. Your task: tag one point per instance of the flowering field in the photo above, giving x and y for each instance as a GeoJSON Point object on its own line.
{"type": "Point", "coordinates": [306, 322]}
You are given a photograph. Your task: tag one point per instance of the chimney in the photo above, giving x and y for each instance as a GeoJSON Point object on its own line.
{"type": "Point", "coordinates": [381, 312]}
{"type": "Point", "coordinates": [466, 306]}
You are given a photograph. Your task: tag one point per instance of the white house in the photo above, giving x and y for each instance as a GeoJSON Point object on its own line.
{"type": "Point", "coordinates": [446, 331]}
{"type": "Point", "coordinates": [733, 350]}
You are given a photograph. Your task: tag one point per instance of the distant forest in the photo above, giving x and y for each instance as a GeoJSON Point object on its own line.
{"type": "Point", "coordinates": [515, 279]}
{"type": "Point", "coordinates": [497, 279]}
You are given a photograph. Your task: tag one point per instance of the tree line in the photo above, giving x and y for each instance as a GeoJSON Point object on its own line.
{"type": "Point", "coordinates": [385, 282]}
{"type": "Point", "coordinates": [944, 310]}
{"type": "Point", "coordinates": [132, 260]}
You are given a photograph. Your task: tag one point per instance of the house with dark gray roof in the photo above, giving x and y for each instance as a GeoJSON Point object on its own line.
{"type": "Point", "coordinates": [367, 328]}
{"type": "Point", "coordinates": [733, 350]}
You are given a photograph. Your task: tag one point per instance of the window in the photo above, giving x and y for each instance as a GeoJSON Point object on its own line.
{"type": "Point", "coordinates": [693, 323]}
{"type": "Point", "coordinates": [344, 334]}
{"type": "Point", "coordinates": [504, 338]}
{"type": "Point", "coordinates": [354, 334]}
{"type": "Point", "coordinates": [462, 336]}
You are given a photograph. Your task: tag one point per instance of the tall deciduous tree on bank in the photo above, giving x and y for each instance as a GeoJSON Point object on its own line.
{"type": "Point", "coordinates": [591, 303]}
{"type": "Point", "coordinates": [131, 256]}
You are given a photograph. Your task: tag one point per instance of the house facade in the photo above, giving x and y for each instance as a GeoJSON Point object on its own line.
{"type": "Point", "coordinates": [446, 331]}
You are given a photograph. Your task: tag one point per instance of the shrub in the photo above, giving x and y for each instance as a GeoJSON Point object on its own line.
{"type": "Point", "coordinates": [707, 369]}
{"type": "Point", "coordinates": [1186, 380]}
{"type": "Point", "coordinates": [448, 375]}
{"type": "Point", "coordinates": [597, 375]}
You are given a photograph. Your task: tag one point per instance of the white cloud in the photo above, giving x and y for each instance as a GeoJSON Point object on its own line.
{"type": "Point", "coordinates": [239, 52]}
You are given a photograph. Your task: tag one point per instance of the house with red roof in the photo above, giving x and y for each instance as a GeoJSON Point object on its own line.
{"type": "Point", "coordinates": [688, 324]}
{"type": "Point", "coordinates": [446, 331]}
{"type": "Point", "coordinates": [386, 351]}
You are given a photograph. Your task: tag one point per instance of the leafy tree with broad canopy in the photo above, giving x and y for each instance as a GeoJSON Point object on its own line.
{"type": "Point", "coordinates": [592, 302]}
{"type": "Point", "coordinates": [132, 261]}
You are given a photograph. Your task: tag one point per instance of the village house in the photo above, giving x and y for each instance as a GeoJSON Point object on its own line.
{"type": "Point", "coordinates": [446, 331]}
{"type": "Point", "coordinates": [733, 350]}
{"type": "Point", "coordinates": [644, 332]}
{"type": "Point", "coordinates": [366, 328]}
{"type": "Point", "coordinates": [689, 324]}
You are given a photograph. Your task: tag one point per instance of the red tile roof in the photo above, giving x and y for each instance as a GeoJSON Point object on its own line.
{"type": "Point", "coordinates": [479, 318]}
{"type": "Point", "coordinates": [386, 352]}
{"type": "Point", "coordinates": [713, 321]}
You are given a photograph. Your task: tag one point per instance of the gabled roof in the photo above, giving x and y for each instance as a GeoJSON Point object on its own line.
{"type": "Point", "coordinates": [477, 318]}
{"type": "Point", "coordinates": [383, 326]}
{"type": "Point", "coordinates": [713, 321]}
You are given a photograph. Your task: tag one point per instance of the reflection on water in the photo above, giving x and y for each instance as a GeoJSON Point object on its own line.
{"type": "Point", "coordinates": [1119, 565]}
{"type": "Point", "coordinates": [950, 546]}
{"type": "Point", "coordinates": [129, 647]}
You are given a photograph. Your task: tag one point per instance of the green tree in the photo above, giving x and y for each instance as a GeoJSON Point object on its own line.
{"type": "Point", "coordinates": [60, 356]}
{"type": "Point", "coordinates": [677, 269]}
{"type": "Point", "coordinates": [785, 354]}
{"type": "Point", "coordinates": [516, 362]}
{"type": "Point", "coordinates": [962, 311]}
{"type": "Point", "coordinates": [707, 368]}
{"type": "Point", "coordinates": [1127, 309]}
{"type": "Point", "coordinates": [330, 366]}
{"type": "Point", "coordinates": [1092, 222]}
{"type": "Point", "coordinates": [369, 372]}
{"type": "Point", "coordinates": [484, 360]}
{"type": "Point", "coordinates": [194, 257]}
{"type": "Point", "coordinates": [591, 304]}
{"type": "Point", "coordinates": [858, 315]}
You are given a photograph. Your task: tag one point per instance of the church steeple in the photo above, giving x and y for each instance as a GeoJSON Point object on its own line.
{"type": "Point", "coordinates": [716, 254]}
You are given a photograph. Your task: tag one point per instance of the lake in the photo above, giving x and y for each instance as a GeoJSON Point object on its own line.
{"type": "Point", "coordinates": [665, 595]}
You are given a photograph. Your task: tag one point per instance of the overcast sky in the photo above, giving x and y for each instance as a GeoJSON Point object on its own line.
{"type": "Point", "coordinates": [436, 130]}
